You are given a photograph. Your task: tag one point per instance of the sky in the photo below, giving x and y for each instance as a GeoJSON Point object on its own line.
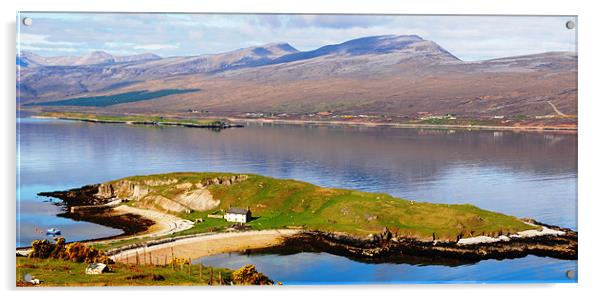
{"type": "Point", "coordinates": [467, 37]}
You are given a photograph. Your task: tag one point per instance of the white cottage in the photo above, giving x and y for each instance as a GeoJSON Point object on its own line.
{"type": "Point", "coordinates": [240, 215]}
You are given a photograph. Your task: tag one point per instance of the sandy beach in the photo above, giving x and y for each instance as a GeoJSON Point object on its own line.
{"type": "Point", "coordinates": [165, 224]}
{"type": "Point", "coordinates": [204, 245]}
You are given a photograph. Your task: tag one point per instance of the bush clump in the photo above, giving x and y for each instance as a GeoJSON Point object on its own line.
{"type": "Point", "coordinates": [76, 251]}
{"type": "Point", "coordinates": [177, 261]}
{"type": "Point", "coordinates": [248, 275]}
{"type": "Point", "coordinates": [41, 249]}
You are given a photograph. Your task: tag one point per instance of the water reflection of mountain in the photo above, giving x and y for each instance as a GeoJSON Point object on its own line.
{"type": "Point", "coordinates": [523, 174]}
{"type": "Point", "coordinates": [351, 153]}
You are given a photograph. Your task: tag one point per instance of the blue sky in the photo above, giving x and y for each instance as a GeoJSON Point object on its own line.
{"type": "Point", "coordinates": [467, 37]}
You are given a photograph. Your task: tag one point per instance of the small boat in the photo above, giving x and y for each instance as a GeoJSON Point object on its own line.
{"type": "Point", "coordinates": [53, 232]}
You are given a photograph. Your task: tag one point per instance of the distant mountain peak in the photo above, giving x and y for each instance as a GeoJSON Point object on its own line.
{"type": "Point", "coordinates": [271, 50]}
{"type": "Point", "coordinates": [406, 45]}
{"type": "Point", "coordinates": [376, 44]}
{"type": "Point", "coordinates": [96, 57]}
{"type": "Point", "coordinates": [98, 54]}
{"type": "Point", "coordinates": [28, 58]}
{"type": "Point", "coordinates": [280, 46]}
{"type": "Point", "coordinates": [391, 37]}
{"type": "Point", "coordinates": [25, 53]}
{"type": "Point", "coordinates": [137, 57]}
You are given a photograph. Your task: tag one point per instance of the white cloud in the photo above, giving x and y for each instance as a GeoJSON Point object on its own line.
{"type": "Point", "coordinates": [467, 37]}
{"type": "Point", "coordinates": [118, 44]}
{"type": "Point", "coordinates": [48, 49]}
{"type": "Point", "coordinates": [154, 47]}
{"type": "Point", "coordinates": [39, 39]}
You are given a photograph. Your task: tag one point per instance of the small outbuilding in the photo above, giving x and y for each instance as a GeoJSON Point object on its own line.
{"type": "Point", "coordinates": [240, 215]}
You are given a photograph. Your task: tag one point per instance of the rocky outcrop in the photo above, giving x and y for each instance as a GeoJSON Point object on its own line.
{"type": "Point", "coordinates": [227, 181]}
{"type": "Point", "coordinates": [123, 189]}
{"type": "Point", "coordinates": [162, 203]}
{"type": "Point", "coordinates": [86, 195]}
{"type": "Point", "coordinates": [185, 196]}
{"type": "Point", "coordinates": [197, 199]}
{"type": "Point", "coordinates": [384, 247]}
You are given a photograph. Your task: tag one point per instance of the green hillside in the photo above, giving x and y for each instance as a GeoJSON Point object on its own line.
{"type": "Point", "coordinates": [114, 99]}
{"type": "Point", "coordinates": [278, 203]}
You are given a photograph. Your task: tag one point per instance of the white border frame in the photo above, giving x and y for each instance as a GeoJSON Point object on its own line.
{"type": "Point", "coordinates": [589, 145]}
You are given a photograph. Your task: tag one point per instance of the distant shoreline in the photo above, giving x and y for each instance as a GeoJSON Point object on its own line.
{"type": "Point", "coordinates": [406, 125]}
{"type": "Point", "coordinates": [219, 122]}
{"type": "Point", "coordinates": [141, 120]}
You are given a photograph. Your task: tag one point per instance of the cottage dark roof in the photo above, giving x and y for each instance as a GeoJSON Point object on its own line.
{"type": "Point", "coordinates": [242, 211]}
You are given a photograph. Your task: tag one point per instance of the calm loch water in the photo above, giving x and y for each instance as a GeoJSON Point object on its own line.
{"type": "Point", "coordinates": [523, 174]}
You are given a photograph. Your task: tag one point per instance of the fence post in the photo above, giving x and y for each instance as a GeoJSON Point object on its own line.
{"type": "Point", "coordinates": [210, 276]}
{"type": "Point", "coordinates": [150, 258]}
{"type": "Point", "coordinates": [201, 272]}
{"type": "Point", "coordinates": [189, 266]}
{"type": "Point", "coordinates": [172, 262]}
{"type": "Point", "coordinates": [137, 258]}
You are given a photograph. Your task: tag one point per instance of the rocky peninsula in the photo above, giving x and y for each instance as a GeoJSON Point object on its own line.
{"type": "Point", "coordinates": [359, 225]}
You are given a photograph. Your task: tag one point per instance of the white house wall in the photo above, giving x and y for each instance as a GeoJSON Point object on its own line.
{"type": "Point", "coordinates": [236, 218]}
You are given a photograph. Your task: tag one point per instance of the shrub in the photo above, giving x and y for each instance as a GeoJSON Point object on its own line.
{"type": "Point", "coordinates": [59, 249]}
{"type": "Point", "coordinates": [41, 249]}
{"type": "Point", "coordinates": [77, 251]}
{"type": "Point", "coordinates": [176, 261]}
{"type": "Point", "coordinates": [248, 275]}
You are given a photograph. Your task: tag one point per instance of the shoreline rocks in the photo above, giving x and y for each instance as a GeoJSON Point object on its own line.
{"type": "Point", "coordinates": [550, 241]}
{"type": "Point", "coordinates": [561, 246]}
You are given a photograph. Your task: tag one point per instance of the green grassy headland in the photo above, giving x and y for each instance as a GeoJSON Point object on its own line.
{"type": "Point", "coordinates": [281, 203]}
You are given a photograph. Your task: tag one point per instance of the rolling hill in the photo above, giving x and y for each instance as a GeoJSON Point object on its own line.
{"type": "Point", "coordinates": [392, 75]}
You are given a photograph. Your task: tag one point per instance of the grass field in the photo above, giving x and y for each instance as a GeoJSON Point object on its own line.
{"type": "Point", "coordinates": [279, 203]}
{"type": "Point", "coordinates": [115, 99]}
{"type": "Point", "coordinates": [133, 119]}
{"type": "Point", "coordinates": [56, 272]}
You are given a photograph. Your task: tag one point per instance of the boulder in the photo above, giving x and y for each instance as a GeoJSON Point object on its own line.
{"type": "Point", "coordinates": [97, 268]}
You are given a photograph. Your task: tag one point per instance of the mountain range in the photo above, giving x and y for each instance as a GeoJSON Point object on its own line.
{"type": "Point", "coordinates": [399, 75]}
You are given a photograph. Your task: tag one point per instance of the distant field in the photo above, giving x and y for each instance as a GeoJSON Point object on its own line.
{"type": "Point", "coordinates": [133, 119]}
{"type": "Point", "coordinates": [115, 99]}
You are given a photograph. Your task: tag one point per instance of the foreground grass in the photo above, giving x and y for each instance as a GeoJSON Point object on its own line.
{"type": "Point", "coordinates": [278, 203]}
{"type": "Point", "coordinates": [133, 119]}
{"type": "Point", "coordinates": [55, 272]}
